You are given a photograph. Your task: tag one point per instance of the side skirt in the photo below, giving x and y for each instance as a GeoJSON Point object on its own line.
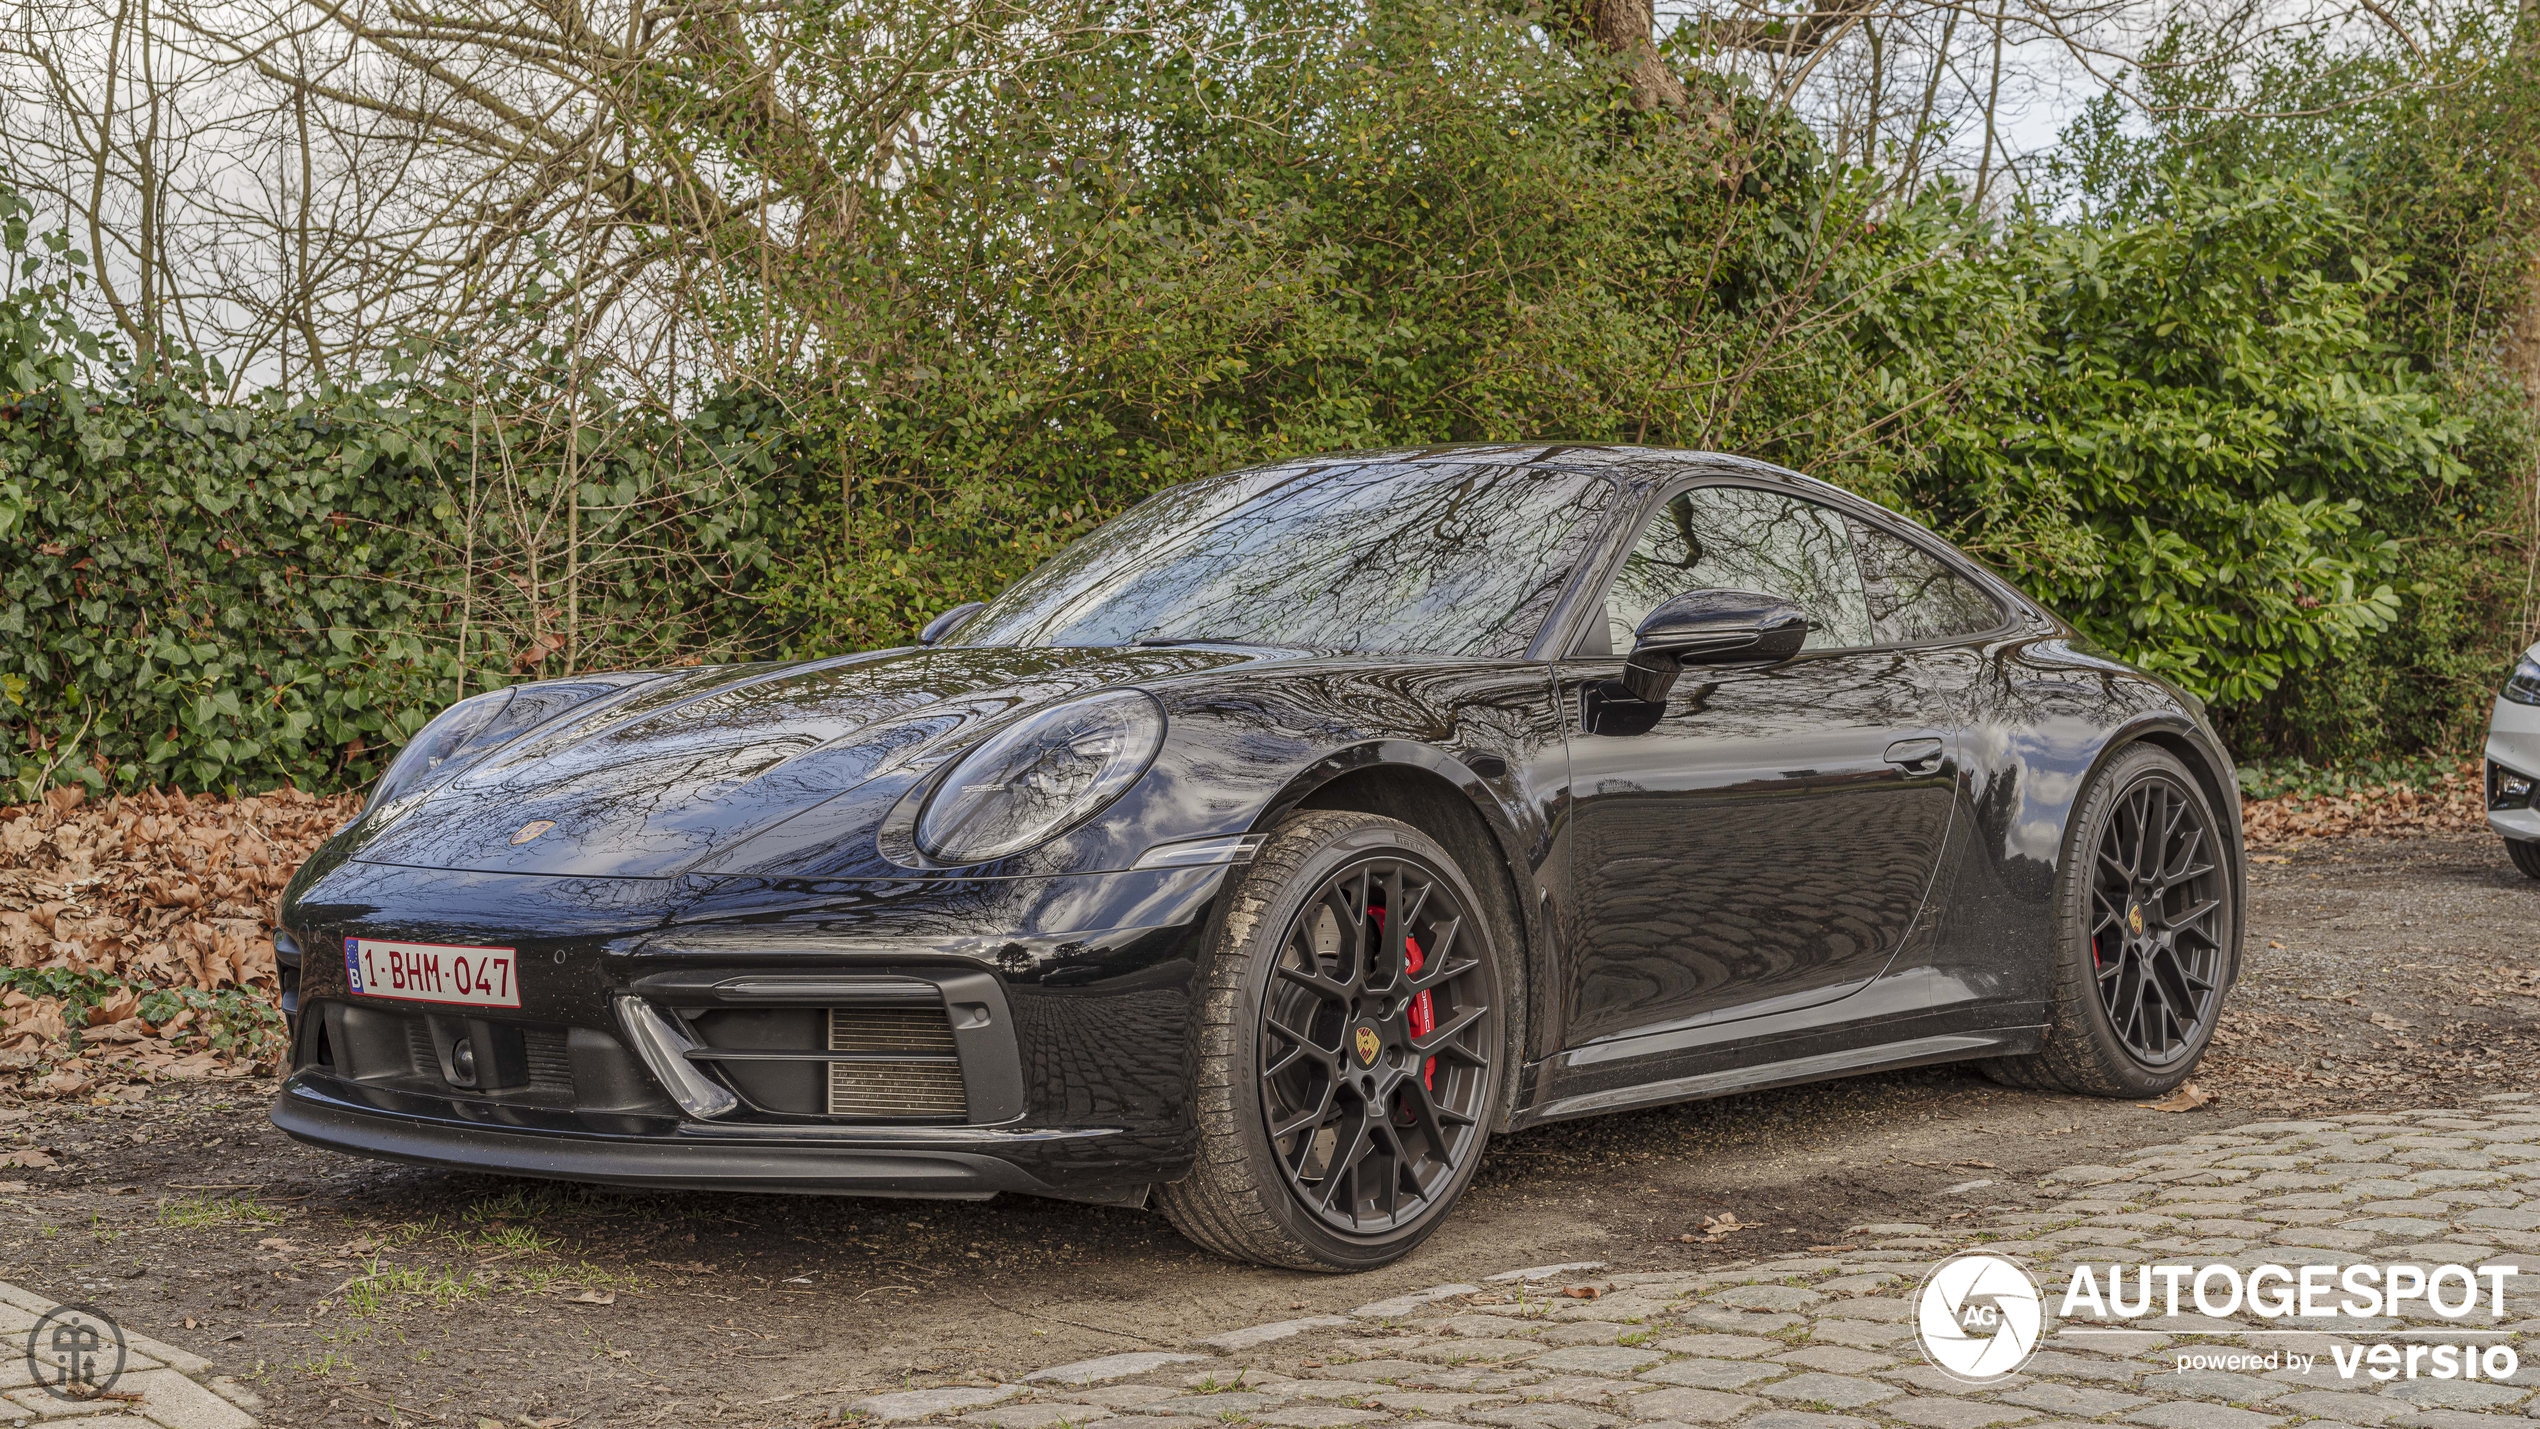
{"type": "Point", "coordinates": [1885, 1057]}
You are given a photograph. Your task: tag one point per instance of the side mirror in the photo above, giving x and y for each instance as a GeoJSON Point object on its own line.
{"type": "Point", "coordinates": [1711, 627]}
{"type": "Point", "coordinates": [950, 621]}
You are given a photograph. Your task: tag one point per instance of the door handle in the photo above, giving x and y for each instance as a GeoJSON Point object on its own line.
{"type": "Point", "coordinates": [1917, 756]}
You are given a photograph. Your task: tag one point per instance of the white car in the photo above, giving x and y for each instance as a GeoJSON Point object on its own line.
{"type": "Point", "coordinates": [2513, 763]}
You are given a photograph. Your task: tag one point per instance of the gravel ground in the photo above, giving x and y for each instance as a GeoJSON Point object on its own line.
{"type": "Point", "coordinates": [2382, 974]}
{"type": "Point", "coordinates": [1826, 1339]}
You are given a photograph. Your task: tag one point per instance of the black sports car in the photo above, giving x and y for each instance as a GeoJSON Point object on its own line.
{"type": "Point", "coordinates": [1270, 849]}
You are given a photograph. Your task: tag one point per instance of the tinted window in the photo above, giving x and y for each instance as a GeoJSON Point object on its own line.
{"type": "Point", "coordinates": [1739, 538]}
{"type": "Point", "coordinates": [1462, 560]}
{"type": "Point", "coordinates": [1913, 597]}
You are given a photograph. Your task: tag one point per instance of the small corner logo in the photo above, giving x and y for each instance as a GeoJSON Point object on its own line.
{"type": "Point", "coordinates": [1978, 1318]}
{"type": "Point", "coordinates": [532, 829]}
{"type": "Point", "coordinates": [75, 1352]}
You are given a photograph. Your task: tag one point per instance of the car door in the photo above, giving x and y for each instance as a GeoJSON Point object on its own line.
{"type": "Point", "coordinates": [1763, 839]}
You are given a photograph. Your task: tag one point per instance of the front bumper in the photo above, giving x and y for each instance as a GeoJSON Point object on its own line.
{"type": "Point", "coordinates": [847, 1038]}
{"type": "Point", "coordinates": [2513, 743]}
{"type": "Point", "coordinates": [665, 1153]}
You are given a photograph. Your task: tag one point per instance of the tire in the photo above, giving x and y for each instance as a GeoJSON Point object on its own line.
{"type": "Point", "coordinates": [2142, 960]}
{"type": "Point", "coordinates": [2526, 856]}
{"type": "Point", "coordinates": [1277, 1043]}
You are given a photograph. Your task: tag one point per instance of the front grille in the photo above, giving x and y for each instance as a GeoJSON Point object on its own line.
{"type": "Point", "coordinates": [550, 1059]}
{"type": "Point", "coordinates": [394, 1047]}
{"type": "Point", "coordinates": [930, 1089]}
{"type": "Point", "coordinates": [419, 1047]}
{"type": "Point", "coordinates": [922, 1030]}
{"type": "Point", "coordinates": [927, 1083]}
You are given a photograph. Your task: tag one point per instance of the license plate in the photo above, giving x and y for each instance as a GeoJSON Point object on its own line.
{"type": "Point", "coordinates": [433, 972]}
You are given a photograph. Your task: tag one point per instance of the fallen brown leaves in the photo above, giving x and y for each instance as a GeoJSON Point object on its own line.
{"type": "Point", "coordinates": [2457, 804]}
{"type": "Point", "coordinates": [157, 890]}
{"type": "Point", "coordinates": [2188, 1097]}
{"type": "Point", "coordinates": [2279, 1061]}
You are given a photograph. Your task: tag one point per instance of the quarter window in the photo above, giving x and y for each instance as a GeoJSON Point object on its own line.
{"type": "Point", "coordinates": [1913, 597]}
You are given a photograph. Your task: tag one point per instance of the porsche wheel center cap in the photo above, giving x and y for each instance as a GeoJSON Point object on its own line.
{"type": "Point", "coordinates": [1368, 1046]}
{"type": "Point", "coordinates": [2134, 919]}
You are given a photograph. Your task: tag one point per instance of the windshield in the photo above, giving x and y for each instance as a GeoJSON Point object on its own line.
{"type": "Point", "coordinates": [1452, 560]}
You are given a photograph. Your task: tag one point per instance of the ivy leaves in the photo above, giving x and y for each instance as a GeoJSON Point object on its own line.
{"type": "Point", "coordinates": [219, 596]}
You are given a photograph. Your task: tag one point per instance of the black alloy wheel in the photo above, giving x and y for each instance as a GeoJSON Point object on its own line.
{"type": "Point", "coordinates": [2157, 888]}
{"type": "Point", "coordinates": [1371, 1086]}
{"type": "Point", "coordinates": [2147, 933]}
{"type": "Point", "coordinates": [1351, 1048]}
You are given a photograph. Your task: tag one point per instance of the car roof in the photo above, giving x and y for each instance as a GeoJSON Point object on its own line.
{"type": "Point", "coordinates": [1638, 468]}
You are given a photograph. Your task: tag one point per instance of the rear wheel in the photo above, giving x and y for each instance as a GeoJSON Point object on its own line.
{"type": "Point", "coordinates": [2526, 856]}
{"type": "Point", "coordinates": [2146, 928]}
{"type": "Point", "coordinates": [1351, 1049]}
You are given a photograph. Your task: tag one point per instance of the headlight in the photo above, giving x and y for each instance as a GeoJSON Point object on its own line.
{"type": "Point", "coordinates": [1044, 775]}
{"type": "Point", "coordinates": [2523, 688]}
{"type": "Point", "coordinates": [474, 725]}
{"type": "Point", "coordinates": [435, 743]}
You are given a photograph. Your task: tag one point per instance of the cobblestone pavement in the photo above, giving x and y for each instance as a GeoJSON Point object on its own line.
{"type": "Point", "coordinates": [1826, 1340]}
{"type": "Point", "coordinates": [162, 1387]}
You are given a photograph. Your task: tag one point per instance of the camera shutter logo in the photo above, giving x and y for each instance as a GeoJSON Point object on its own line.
{"type": "Point", "coordinates": [75, 1352]}
{"type": "Point", "coordinates": [1979, 1318]}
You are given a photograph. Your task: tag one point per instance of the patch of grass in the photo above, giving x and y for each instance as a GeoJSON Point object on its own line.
{"type": "Point", "coordinates": [381, 1285]}
{"type": "Point", "coordinates": [508, 1239]}
{"type": "Point", "coordinates": [526, 1203]}
{"type": "Point", "coordinates": [202, 1212]}
{"type": "Point", "coordinates": [324, 1365]}
{"type": "Point", "coordinates": [541, 1279]}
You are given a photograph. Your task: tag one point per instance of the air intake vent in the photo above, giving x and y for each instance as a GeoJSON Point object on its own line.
{"type": "Point", "coordinates": [550, 1060]}
{"type": "Point", "coordinates": [427, 1063]}
{"type": "Point", "coordinates": [914, 1071]}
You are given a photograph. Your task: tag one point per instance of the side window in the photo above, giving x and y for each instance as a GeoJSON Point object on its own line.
{"type": "Point", "coordinates": [1740, 538]}
{"type": "Point", "coordinates": [1913, 597]}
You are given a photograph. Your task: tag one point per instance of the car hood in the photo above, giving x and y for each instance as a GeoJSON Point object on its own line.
{"type": "Point", "coordinates": [670, 772]}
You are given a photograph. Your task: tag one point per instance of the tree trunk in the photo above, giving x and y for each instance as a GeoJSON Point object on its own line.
{"type": "Point", "coordinates": [1624, 26]}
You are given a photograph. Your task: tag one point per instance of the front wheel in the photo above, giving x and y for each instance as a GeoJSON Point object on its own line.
{"type": "Point", "coordinates": [1350, 1051]}
{"type": "Point", "coordinates": [2526, 856]}
{"type": "Point", "coordinates": [2145, 930]}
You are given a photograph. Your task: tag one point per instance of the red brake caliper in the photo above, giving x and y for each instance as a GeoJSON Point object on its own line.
{"type": "Point", "coordinates": [1424, 1012]}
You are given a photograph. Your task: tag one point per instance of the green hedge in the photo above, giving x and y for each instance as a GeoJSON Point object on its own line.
{"type": "Point", "coordinates": [2240, 419]}
{"type": "Point", "coordinates": [221, 596]}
